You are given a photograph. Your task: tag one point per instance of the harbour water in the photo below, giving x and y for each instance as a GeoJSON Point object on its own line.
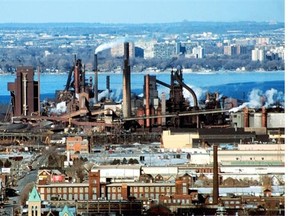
{"type": "Point", "coordinates": [234, 84]}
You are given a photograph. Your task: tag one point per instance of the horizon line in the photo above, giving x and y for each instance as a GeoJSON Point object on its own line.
{"type": "Point", "coordinates": [143, 23]}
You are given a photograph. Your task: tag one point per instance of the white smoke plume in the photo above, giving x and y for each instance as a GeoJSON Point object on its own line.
{"type": "Point", "coordinates": [116, 95]}
{"type": "Point", "coordinates": [187, 95]}
{"type": "Point", "coordinates": [103, 94]}
{"type": "Point", "coordinates": [258, 98]}
{"type": "Point", "coordinates": [109, 45]}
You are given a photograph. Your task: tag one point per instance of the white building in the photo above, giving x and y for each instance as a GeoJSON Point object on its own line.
{"type": "Point", "coordinates": [198, 52]}
{"type": "Point", "coordinates": [258, 55]}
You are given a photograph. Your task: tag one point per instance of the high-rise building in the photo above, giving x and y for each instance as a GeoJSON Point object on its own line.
{"type": "Point", "coordinates": [118, 51]}
{"type": "Point", "coordinates": [230, 50]}
{"type": "Point", "coordinates": [240, 50]}
{"type": "Point", "coordinates": [147, 46]}
{"type": "Point", "coordinates": [198, 52]}
{"type": "Point", "coordinates": [165, 50]}
{"type": "Point", "coordinates": [258, 55]}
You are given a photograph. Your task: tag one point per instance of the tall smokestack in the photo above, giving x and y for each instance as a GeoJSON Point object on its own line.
{"type": "Point", "coordinates": [147, 98]}
{"type": "Point", "coordinates": [76, 79]}
{"type": "Point", "coordinates": [108, 85]}
{"type": "Point", "coordinates": [95, 79]}
{"type": "Point", "coordinates": [215, 175]}
{"type": "Point", "coordinates": [163, 107]}
{"type": "Point", "coordinates": [246, 116]}
{"type": "Point", "coordinates": [83, 79]}
{"type": "Point", "coordinates": [126, 83]}
{"type": "Point", "coordinates": [264, 117]}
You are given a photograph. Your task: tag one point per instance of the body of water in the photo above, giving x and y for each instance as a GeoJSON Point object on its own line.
{"type": "Point", "coordinates": [234, 84]}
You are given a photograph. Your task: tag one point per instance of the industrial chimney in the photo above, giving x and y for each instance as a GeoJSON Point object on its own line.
{"type": "Point", "coordinates": [126, 107]}
{"type": "Point", "coordinates": [95, 79]}
{"type": "Point", "coordinates": [215, 175]}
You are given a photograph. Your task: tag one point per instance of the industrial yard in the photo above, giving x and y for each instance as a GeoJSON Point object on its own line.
{"type": "Point", "coordinates": [152, 155]}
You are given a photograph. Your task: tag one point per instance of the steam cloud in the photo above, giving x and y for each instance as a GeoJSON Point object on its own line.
{"type": "Point", "coordinates": [257, 99]}
{"type": "Point", "coordinates": [109, 45]}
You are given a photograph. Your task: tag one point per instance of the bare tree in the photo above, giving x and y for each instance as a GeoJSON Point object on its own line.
{"type": "Point", "coordinates": [24, 195]}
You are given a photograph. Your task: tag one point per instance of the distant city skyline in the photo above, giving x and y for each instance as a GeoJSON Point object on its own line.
{"type": "Point", "coordinates": [140, 11]}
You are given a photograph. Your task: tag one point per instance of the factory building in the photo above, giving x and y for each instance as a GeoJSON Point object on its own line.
{"type": "Point", "coordinates": [265, 118]}
{"type": "Point", "coordinates": [24, 92]}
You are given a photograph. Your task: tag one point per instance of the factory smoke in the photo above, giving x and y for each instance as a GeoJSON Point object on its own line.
{"type": "Point", "coordinates": [187, 95]}
{"type": "Point", "coordinates": [258, 98]}
{"type": "Point", "coordinates": [109, 45]}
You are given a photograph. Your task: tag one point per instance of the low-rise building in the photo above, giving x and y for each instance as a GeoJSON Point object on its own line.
{"type": "Point", "coordinates": [76, 145]}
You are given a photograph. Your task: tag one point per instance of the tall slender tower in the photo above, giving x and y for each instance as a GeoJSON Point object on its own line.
{"type": "Point", "coordinates": [95, 78]}
{"type": "Point", "coordinates": [215, 175]}
{"type": "Point", "coordinates": [126, 107]}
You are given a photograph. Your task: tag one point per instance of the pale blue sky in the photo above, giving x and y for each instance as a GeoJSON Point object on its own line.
{"type": "Point", "coordinates": [139, 11]}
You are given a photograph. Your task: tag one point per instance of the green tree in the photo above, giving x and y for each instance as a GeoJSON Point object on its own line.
{"type": "Point", "coordinates": [124, 161]}
{"type": "Point", "coordinates": [7, 163]}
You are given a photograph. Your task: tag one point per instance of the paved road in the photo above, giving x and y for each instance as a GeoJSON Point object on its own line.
{"type": "Point", "coordinates": [29, 177]}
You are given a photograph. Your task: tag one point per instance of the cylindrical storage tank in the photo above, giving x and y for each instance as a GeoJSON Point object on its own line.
{"type": "Point", "coordinates": [140, 113]}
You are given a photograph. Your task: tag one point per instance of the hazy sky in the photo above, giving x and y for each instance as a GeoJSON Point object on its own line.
{"type": "Point", "coordinates": [140, 11]}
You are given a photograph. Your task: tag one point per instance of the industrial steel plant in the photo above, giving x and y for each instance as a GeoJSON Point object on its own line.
{"type": "Point", "coordinates": [220, 139]}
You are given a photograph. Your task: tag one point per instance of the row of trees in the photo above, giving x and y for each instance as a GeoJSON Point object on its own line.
{"type": "Point", "coordinates": [62, 60]}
